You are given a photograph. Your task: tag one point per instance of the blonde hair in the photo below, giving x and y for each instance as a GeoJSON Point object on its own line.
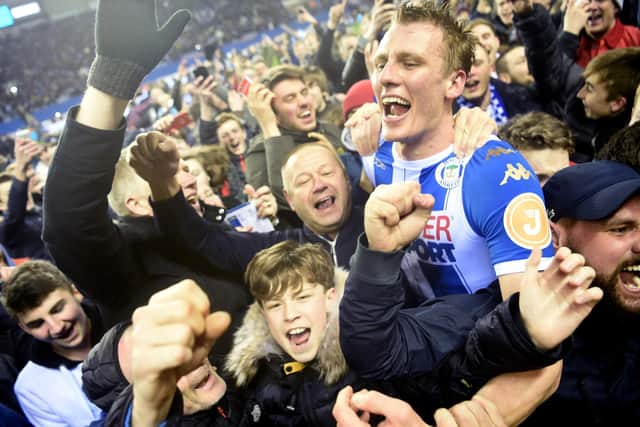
{"type": "Point", "coordinates": [126, 183]}
{"type": "Point", "coordinates": [458, 42]}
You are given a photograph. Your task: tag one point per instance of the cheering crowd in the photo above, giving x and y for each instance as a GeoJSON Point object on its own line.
{"type": "Point", "coordinates": [415, 213]}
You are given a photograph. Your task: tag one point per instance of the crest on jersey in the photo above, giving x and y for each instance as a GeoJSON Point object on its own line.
{"type": "Point", "coordinates": [449, 173]}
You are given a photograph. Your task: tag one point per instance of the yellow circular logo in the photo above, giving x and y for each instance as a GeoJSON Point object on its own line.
{"type": "Point", "coordinates": [525, 220]}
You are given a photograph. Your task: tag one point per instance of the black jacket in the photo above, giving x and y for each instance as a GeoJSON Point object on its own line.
{"type": "Point", "coordinates": [118, 265]}
{"type": "Point", "coordinates": [438, 353]}
{"type": "Point", "coordinates": [600, 383]}
{"type": "Point", "coordinates": [225, 248]}
{"type": "Point", "coordinates": [21, 230]}
{"type": "Point", "coordinates": [559, 79]}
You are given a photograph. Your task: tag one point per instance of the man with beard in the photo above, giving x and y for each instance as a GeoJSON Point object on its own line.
{"type": "Point", "coordinates": [595, 210]}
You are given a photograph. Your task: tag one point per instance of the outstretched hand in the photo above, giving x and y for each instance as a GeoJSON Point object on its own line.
{"type": "Point", "coordinates": [554, 302]}
{"type": "Point", "coordinates": [395, 215]}
{"type": "Point", "coordinates": [355, 409]}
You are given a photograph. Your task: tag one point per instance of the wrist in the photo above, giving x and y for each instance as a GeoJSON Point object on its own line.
{"type": "Point", "coordinates": [116, 77]}
{"type": "Point", "coordinates": [269, 129]}
{"type": "Point", "coordinates": [164, 189]}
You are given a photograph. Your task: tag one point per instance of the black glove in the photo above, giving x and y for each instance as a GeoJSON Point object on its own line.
{"type": "Point", "coordinates": [129, 44]}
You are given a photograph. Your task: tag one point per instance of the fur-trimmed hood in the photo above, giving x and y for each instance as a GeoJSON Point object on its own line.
{"type": "Point", "coordinates": [253, 342]}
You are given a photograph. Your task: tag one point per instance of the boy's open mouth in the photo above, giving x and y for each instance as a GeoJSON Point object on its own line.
{"type": "Point", "coordinates": [299, 336]}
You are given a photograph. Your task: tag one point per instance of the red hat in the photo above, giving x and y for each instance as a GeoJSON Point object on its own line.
{"type": "Point", "coordinates": [358, 94]}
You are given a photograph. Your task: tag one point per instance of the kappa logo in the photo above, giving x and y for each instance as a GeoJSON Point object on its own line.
{"type": "Point", "coordinates": [495, 152]}
{"type": "Point", "coordinates": [516, 173]}
{"type": "Point", "coordinates": [525, 221]}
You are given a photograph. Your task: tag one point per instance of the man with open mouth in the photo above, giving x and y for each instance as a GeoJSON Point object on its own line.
{"type": "Point", "coordinates": [592, 27]}
{"type": "Point", "coordinates": [286, 113]}
{"type": "Point", "coordinates": [489, 211]}
{"type": "Point", "coordinates": [595, 210]}
{"type": "Point", "coordinates": [49, 308]}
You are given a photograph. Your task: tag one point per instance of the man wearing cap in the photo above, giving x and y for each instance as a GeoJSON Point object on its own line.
{"type": "Point", "coordinates": [592, 27]}
{"type": "Point", "coordinates": [594, 209]}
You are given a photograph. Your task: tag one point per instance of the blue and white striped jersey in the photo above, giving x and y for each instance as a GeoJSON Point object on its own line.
{"type": "Point", "coordinates": [488, 215]}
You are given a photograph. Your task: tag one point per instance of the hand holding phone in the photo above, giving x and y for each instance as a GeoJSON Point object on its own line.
{"type": "Point", "coordinates": [179, 121]}
{"type": "Point", "coordinates": [200, 71]}
{"type": "Point", "coordinates": [244, 86]}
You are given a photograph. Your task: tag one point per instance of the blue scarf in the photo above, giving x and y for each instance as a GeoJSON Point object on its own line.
{"type": "Point", "coordinates": [495, 109]}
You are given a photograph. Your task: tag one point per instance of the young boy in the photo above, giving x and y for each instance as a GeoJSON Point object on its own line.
{"type": "Point", "coordinates": [286, 356]}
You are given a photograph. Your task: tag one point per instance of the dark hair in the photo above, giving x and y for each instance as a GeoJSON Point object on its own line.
{"type": "Point", "coordinates": [285, 266]}
{"type": "Point", "coordinates": [30, 284]}
{"type": "Point", "coordinates": [282, 72]}
{"type": "Point", "coordinates": [623, 147]}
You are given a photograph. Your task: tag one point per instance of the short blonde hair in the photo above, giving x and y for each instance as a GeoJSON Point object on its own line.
{"type": "Point", "coordinates": [126, 183]}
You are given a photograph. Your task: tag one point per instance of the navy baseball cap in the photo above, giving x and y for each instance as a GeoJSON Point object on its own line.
{"type": "Point", "coordinates": [589, 191]}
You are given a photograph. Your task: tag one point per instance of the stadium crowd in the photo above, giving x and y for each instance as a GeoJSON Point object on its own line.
{"type": "Point", "coordinates": [409, 213]}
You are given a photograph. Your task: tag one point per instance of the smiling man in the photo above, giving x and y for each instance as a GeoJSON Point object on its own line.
{"type": "Point", "coordinates": [48, 307]}
{"type": "Point", "coordinates": [501, 100]}
{"type": "Point", "coordinates": [284, 109]}
{"type": "Point", "coordinates": [596, 101]}
{"type": "Point", "coordinates": [595, 210]}
{"type": "Point", "coordinates": [489, 212]}
{"type": "Point", "coordinates": [596, 29]}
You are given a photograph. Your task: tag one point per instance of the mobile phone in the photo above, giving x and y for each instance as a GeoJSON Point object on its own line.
{"type": "Point", "coordinates": [244, 85]}
{"type": "Point", "coordinates": [28, 134]}
{"type": "Point", "coordinates": [200, 71]}
{"type": "Point", "coordinates": [179, 121]}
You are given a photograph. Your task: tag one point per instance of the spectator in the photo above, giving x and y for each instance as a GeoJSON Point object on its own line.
{"type": "Point", "coordinates": [120, 265]}
{"type": "Point", "coordinates": [486, 35]}
{"type": "Point", "coordinates": [21, 229]}
{"type": "Point", "coordinates": [125, 371]}
{"type": "Point", "coordinates": [594, 102]}
{"type": "Point", "coordinates": [500, 100]}
{"type": "Point", "coordinates": [512, 66]}
{"type": "Point", "coordinates": [592, 27]}
{"type": "Point", "coordinates": [544, 141]}
{"type": "Point", "coordinates": [503, 21]}
{"type": "Point", "coordinates": [328, 108]}
{"type": "Point", "coordinates": [48, 307]}
{"type": "Point", "coordinates": [285, 112]}
{"type": "Point", "coordinates": [595, 209]}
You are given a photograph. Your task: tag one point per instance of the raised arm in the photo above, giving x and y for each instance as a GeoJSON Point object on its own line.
{"type": "Point", "coordinates": [77, 229]}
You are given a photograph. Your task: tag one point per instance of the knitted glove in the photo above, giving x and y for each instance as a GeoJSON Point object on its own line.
{"type": "Point", "coordinates": [129, 44]}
